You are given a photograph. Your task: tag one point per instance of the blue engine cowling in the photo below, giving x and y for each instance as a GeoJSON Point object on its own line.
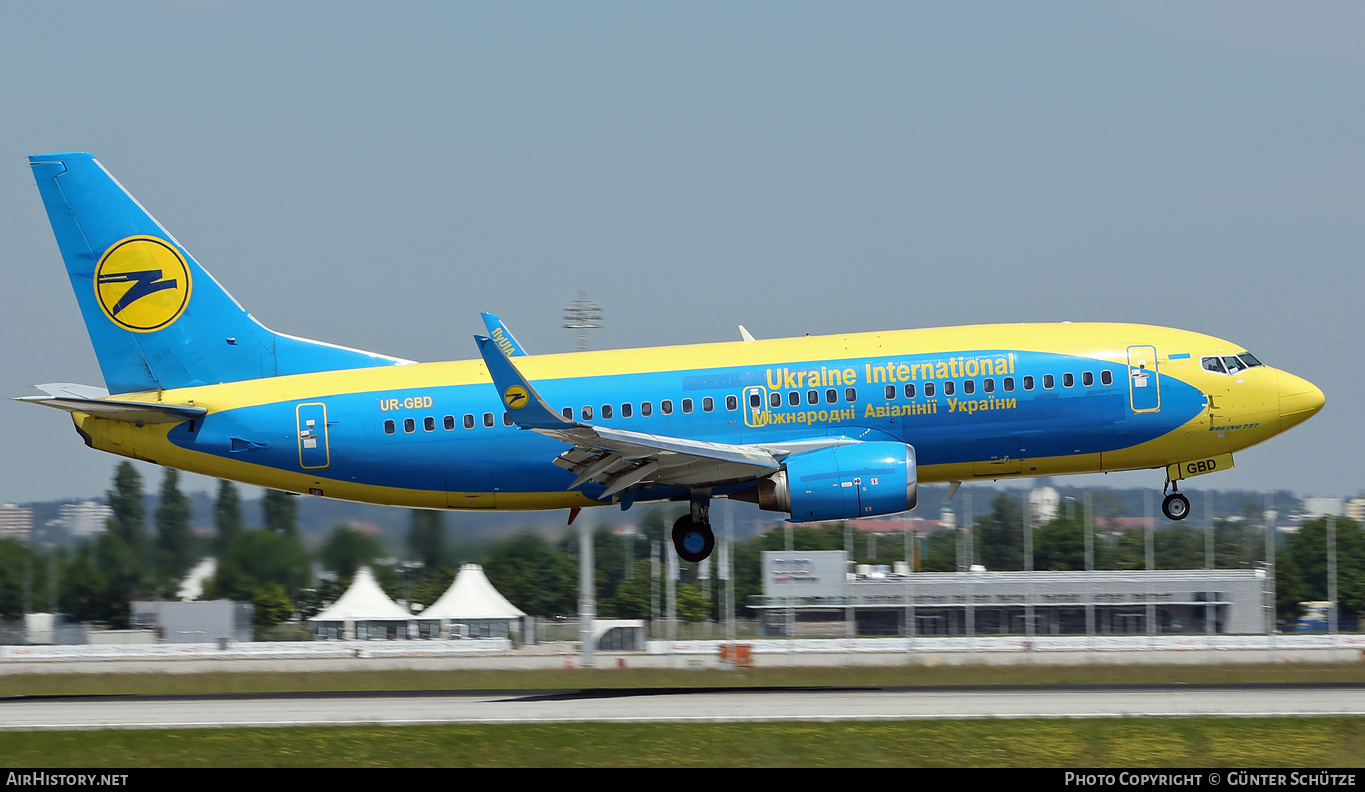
{"type": "Point", "coordinates": [845, 482]}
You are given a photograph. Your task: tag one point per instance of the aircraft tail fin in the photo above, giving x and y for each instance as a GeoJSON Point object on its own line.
{"type": "Point", "coordinates": [156, 318]}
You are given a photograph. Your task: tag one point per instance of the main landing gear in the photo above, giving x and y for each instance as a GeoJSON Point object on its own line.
{"type": "Point", "coordinates": [1176, 506]}
{"type": "Point", "coordinates": [692, 535]}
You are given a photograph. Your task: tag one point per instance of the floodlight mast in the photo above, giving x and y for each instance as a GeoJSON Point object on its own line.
{"type": "Point", "coordinates": [582, 315]}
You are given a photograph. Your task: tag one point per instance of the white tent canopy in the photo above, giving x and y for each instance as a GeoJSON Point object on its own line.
{"type": "Point", "coordinates": [363, 601]}
{"type": "Point", "coordinates": [471, 596]}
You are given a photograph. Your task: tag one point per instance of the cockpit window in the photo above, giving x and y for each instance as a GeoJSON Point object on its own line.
{"type": "Point", "coordinates": [1249, 359]}
{"type": "Point", "coordinates": [1214, 364]}
{"type": "Point", "coordinates": [1233, 363]}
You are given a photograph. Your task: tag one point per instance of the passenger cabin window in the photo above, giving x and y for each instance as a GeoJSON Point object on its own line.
{"type": "Point", "coordinates": [666, 406]}
{"type": "Point", "coordinates": [506, 419]}
{"type": "Point", "coordinates": [850, 395]}
{"type": "Point", "coordinates": [429, 423]}
{"type": "Point", "coordinates": [586, 413]}
{"type": "Point", "coordinates": [988, 385]}
{"type": "Point", "coordinates": [969, 387]}
{"type": "Point", "coordinates": [831, 396]}
{"type": "Point", "coordinates": [890, 391]}
{"type": "Point", "coordinates": [1106, 377]}
{"type": "Point", "coordinates": [627, 410]}
{"type": "Point", "coordinates": [909, 391]}
{"type": "Point", "coordinates": [708, 404]}
{"type": "Point", "coordinates": [1068, 380]}
{"type": "Point", "coordinates": [606, 411]}
{"type": "Point", "coordinates": [687, 406]}
{"type": "Point", "coordinates": [928, 389]}
{"type": "Point", "coordinates": [794, 398]}
{"type": "Point", "coordinates": [646, 409]}
{"type": "Point", "coordinates": [774, 399]}
{"type": "Point", "coordinates": [409, 425]}
{"type": "Point", "coordinates": [390, 427]}
{"type": "Point", "coordinates": [450, 422]}
{"type": "Point", "coordinates": [568, 413]}
{"type": "Point", "coordinates": [488, 419]}
{"type": "Point", "coordinates": [1009, 384]}
{"type": "Point", "coordinates": [1048, 382]}
{"type": "Point", "coordinates": [949, 388]}
{"type": "Point", "coordinates": [755, 400]}
{"type": "Point", "coordinates": [732, 403]}
{"type": "Point", "coordinates": [1088, 378]}
{"type": "Point", "coordinates": [812, 397]}
{"type": "Point", "coordinates": [468, 421]}
{"type": "Point", "coordinates": [1028, 383]}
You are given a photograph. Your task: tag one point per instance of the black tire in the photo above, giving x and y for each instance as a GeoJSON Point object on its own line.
{"type": "Point", "coordinates": [1176, 507]}
{"type": "Point", "coordinates": [692, 541]}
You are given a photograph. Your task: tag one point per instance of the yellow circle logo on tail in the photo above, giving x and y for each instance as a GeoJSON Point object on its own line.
{"type": "Point", "coordinates": [142, 284]}
{"type": "Point", "coordinates": [515, 397]}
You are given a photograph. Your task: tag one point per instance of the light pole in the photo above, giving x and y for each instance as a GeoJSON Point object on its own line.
{"type": "Point", "coordinates": [582, 315]}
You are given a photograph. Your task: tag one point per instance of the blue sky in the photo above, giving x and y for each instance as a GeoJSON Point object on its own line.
{"type": "Point", "coordinates": [375, 174]}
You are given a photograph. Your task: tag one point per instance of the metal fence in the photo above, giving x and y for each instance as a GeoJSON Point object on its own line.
{"type": "Point", "coordinates": [564, 630]}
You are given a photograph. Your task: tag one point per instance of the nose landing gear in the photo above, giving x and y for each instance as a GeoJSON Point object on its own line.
{"type": "Point", "coordinates": [1176, 506]}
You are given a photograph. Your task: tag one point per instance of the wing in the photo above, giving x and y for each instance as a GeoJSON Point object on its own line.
{"type": "Point", "coordinates": [620, 459]}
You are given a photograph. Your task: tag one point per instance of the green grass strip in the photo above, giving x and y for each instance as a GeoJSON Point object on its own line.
{"type": "Point", "coordinates": [858, 676]}
{"type": "Point", "coordinates": [1150, 742]}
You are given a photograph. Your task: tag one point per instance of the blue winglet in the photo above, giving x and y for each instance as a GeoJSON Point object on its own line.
{"type": "Point", "coordinates": [501, 335]}
{"type": "Point", "coordinates": [527, 408]}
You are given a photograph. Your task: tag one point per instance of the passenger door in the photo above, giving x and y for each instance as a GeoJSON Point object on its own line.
{"type": "Point", "coordinates": [1144, 380]}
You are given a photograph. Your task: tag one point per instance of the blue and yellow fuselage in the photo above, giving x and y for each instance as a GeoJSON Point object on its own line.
{"type": "Point", "coordinates": [986, 401]}
{"type": "Point", "coordinates": [824, 428]}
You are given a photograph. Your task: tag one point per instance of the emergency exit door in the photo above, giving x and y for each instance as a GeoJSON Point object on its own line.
{"type": "Point", "coordinates": [312, 429]}
{"type": "Point", "coordinates": [755, 406]}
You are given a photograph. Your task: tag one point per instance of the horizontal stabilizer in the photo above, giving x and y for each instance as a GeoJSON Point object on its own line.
{"type": "Point", "coordinates": [93, 401]}
{"type": "Point", "coordinates": [72, 390]}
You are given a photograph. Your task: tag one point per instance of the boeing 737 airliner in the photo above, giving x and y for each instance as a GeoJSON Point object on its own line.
{"type": "Point", "coordinates": [822, 428]}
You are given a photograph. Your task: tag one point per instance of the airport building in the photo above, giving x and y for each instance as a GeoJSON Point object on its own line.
{"type": "Point", "coordinates": [16, 522]}
{"type": "Point", "coordinates": [212, 621]}
{"type": "Point", "coordinates": [815, 593]}
{"type": "Point", "coordinates": [85, 518]}
{"type": "Point", "coordinates": [1355, 509]}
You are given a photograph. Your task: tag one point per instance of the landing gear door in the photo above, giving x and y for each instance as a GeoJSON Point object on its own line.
{"type": "Point", "coordinates": [311, 422]}
{"type": "Point", "coordinates": [755, 406]}
{"type": "Point", "coordinates": [1144, 381]}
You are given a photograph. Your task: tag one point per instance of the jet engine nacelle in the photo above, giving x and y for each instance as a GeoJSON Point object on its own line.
{"type": "Point", "coordinates": [843, 482]}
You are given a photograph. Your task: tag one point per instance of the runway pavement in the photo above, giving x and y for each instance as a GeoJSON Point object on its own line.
{"type": "Point", "coordinates": [678, 704]}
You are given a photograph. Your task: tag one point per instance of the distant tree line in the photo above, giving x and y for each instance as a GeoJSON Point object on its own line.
{"type": "Point", "coordinates": [269, 566]}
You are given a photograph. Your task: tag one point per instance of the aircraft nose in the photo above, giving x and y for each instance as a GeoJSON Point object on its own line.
{"type": "Point", "coordinates": [1299, 400]}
